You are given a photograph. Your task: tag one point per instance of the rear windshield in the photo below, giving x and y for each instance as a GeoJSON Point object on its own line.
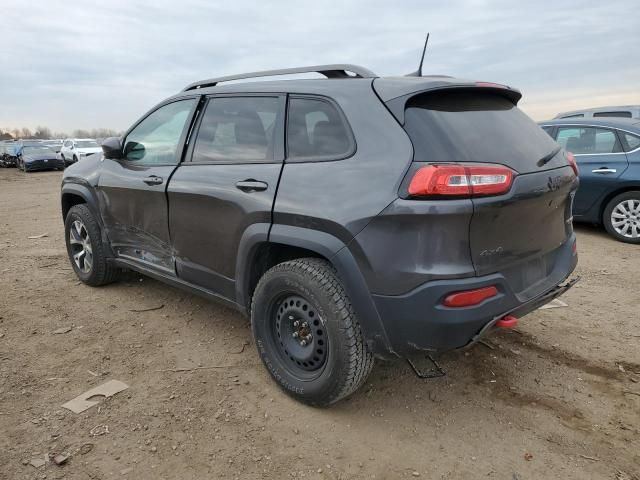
{"type": "Point", "coordinates": [473, 126]}
{"type": "Point", "coordinates": [86, 144]}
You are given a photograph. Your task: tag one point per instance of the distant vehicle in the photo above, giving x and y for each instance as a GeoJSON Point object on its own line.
{"type": "Point", "coordinates": [55, 145]}
{"type": "Point", "coordinates": [74, 149]}
{"type": "Point", "coordinates": [608, 155]}
{"type": "Point", "coordinates": [38, 157]}
{"type": "Point", "coordinates": [8, 155]}
{"type": "Point", "coordinates": [349, 217]}
{"type": "Point", "coordinates": [628, 111]}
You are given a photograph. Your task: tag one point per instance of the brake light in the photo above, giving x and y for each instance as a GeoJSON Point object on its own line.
{"type": "Point", "coordinates": [491, 85]}
{"type": "Point", "coordinates": [461, 180]}
{"type": "Point", "coordinates": [469, 297]}
{"type": "Point", "coordinates": [572, 161]}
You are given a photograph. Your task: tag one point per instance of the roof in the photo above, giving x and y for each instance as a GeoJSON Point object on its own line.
{"type": "Point", "coordinates": [615, 108]}
{"type": "Point", "coordinates": [338, 79]}
{"type": "Point", "coordinates": [632, 124]}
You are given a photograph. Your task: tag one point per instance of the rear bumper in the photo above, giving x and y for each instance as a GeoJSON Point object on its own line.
{"type": "Point", "coordinates": [418, 320]}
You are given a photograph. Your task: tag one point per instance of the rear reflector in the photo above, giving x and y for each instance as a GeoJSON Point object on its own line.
{"type": "Point", "coordinates": [469, 297]}
{"type": "Point", "coordinates": [572, 161]}
{"type": "Point", "coordinates": [461, 180]}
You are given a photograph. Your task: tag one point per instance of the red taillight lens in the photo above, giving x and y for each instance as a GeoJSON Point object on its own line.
{"type": "Point", "coordinates": [469, 297]}
{"type": "Point", "coordinates": [461, 180]}
{"type": "Point", "coordinates": [572, 161]}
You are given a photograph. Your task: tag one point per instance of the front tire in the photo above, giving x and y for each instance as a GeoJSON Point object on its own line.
{"type": "Point", "coordinates": [85, 248]}
{"type": "Point", "coordinates": [307, 333]}
{"type": "Point", "coordinates": [621, 217]}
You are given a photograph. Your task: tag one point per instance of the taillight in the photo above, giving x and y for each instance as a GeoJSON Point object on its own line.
{"type": "Point", "coordinates": [461, 180]}
{"type": "Point", "coordinates": [469, 298]}
{"type": "Point", "coordinates": [572, 161]}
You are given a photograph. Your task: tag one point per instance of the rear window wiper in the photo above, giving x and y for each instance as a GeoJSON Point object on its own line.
{"type": "Point", "coordinates": [547, 158]}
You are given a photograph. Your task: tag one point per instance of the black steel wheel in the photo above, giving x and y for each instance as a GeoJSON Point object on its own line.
{"type": "Point", "coordinates": [307, 333]}
{"type": "Point", "coordinates": [299, 335]}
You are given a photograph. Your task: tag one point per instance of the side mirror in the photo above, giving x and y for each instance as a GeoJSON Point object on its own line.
{"type": "Point", "coordinates": [112, 148]}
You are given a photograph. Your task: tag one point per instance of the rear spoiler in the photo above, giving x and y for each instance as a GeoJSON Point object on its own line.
{"type": "Point", "coordinates": [397, 104]}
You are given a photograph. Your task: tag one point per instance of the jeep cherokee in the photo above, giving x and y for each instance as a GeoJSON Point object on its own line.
{"type": "Point", "coordinates": [349, 217]}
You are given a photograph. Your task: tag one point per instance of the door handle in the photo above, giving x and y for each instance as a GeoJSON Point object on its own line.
{"type": "Point", "coordinates": [251, 185]}
{"type": "Point", "coordinates": [153, 180]}
{"type": "Point", "coordinates": [604, 170]}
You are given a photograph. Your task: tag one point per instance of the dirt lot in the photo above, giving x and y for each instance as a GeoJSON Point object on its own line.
{"type": "Point", "coordinates": [558, 398]}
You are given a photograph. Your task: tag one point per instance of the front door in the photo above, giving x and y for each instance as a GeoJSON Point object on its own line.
{"type": "Point", "coordinates": [133, 199]}
{"type": "Point", "coordinates": [226, 184]}
{"type": "Point", "coordinates": [600, 161]}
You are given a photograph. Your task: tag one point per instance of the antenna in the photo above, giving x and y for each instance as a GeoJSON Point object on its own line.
{"type": "Point", "coordinates": [418, 73]}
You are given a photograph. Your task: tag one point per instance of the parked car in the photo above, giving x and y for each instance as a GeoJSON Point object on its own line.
{"type": "Point", "coordinates": [628, 111]}
{"type": "Point", "coordinates": [349, 217]}
{"type": "Point", "coordinates": [74, 149]}
{"type": "Point", "coordinates": [8, 155]}
{"type": "Point", "coordinates": [607, 152]}
{"type": "Point", "coordinates": [34, 157]}
{"type": "Point", "coordinates": [55, 145]}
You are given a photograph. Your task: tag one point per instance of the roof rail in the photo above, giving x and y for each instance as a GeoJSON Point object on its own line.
{"type": "Point", "coordinates": [329, 71]}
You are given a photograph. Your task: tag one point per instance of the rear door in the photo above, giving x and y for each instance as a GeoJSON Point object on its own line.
{"type": "Point", "coordinates": [226, 185]}
{"type": "Point", "coordinates": [132, 190]}
{"type": "Point", "coordinates": [600, 159]}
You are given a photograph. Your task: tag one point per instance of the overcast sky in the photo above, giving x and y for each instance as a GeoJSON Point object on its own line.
{"type": "Point", "coordinates": [84, 64]}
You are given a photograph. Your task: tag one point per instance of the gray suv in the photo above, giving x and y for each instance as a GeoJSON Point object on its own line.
{"type": "Point", "coordinates": [350, 217]}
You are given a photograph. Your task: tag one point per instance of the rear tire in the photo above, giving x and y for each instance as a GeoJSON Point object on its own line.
{"type": "Point", "coordinates": [621, 217]}
{"type": "Point", "coordinates": [322, 358]}
{"type": "Point", "coordinates": [82, 234]}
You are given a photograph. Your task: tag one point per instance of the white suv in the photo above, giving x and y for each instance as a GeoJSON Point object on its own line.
{"type": "Point", "coordinates": [73, 149]}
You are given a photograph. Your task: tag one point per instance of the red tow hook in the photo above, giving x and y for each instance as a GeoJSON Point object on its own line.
{"type": "Point", "coordinates": [508, 321]}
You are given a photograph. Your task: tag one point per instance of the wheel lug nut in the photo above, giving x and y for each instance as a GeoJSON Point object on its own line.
{"type": "Point", "coordinates": [305, 325]}
{"type": "Point", "coordinates": [308, 338]}
{"type": "Point", "coordinates": [295, 334]}
{"type": "Point", "coordinates": [296, 323]}
{"type": "Point", "coordinates": [303, 343]}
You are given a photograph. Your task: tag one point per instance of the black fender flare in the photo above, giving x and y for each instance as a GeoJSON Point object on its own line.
{"type": "Point", "coordinates": [90, 199]}
{"type": "Point", "coordinates": [337, 253]}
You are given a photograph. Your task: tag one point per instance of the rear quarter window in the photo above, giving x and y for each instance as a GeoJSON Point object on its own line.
{"type": "Point", "coordinates": [619, 114]}
{"type": "Point", "coordinates": [317, 130]}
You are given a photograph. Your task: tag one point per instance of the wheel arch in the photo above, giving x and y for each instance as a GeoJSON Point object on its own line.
{"type": "Point", "coordinates": [261, 249]}
{"type": "Point", "coordinates": [614, 193]}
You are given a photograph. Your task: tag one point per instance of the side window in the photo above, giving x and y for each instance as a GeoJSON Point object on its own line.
{"type": "Point", "coordinates": [632, 141]}
{"type": "Point", "coordinates": [549, 131]}
{"type": "Point", "coordinates": [155, 140]}
{"type": "Point", "coordinates": [316, 130]}
{"type": "Point", "coordinates": [585, 140]}
{"type": "Point", "coordinates": [237, 129]}
{"type": "Point", "coordinates": [578, 115]}
{"type": "Point", "coordinates": [621, 114]}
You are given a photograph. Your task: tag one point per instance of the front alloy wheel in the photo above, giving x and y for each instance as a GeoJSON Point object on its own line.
{"type": "Point", "coordinates": [80, 243]}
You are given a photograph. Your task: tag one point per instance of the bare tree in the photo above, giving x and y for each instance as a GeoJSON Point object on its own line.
{"type": "Point", "coordinates": [43, 133]}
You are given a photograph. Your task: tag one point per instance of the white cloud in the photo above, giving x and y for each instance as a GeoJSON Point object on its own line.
{"type": "Point", "coordinates": [81, 64]}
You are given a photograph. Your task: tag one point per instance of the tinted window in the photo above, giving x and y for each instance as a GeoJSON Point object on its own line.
{"type": "Point", "coordinates": [613, 114]}
{"type": "Point", "coordinates": [581, 140]}
{"type": "Point", "coordinates": [472, 126]}
{"type": "Point", "coordinates": [155, 140]}
{"type": "Point", "coordinates": [237, 129]}
{"type": "Point", "coordinates": [577, 115]}
{"type": "Point", "coordinates": [316, 130]}
{"type": "Point", "coordinates": [632, 141]}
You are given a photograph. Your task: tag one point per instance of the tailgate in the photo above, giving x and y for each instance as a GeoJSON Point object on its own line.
{"type": "Point", "coordinates": [520, 233]}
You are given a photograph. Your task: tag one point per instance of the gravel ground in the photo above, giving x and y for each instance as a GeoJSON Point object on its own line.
{"type": "Point", "coordinates": [558, 398]}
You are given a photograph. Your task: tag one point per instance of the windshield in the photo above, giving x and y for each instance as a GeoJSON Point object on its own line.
{"type": "Point", "coordinates": [474, 126]}
{"type": "Point", "coordinates": [87, 144]}
{"type": "Point", "coordinates": [37, 149]}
